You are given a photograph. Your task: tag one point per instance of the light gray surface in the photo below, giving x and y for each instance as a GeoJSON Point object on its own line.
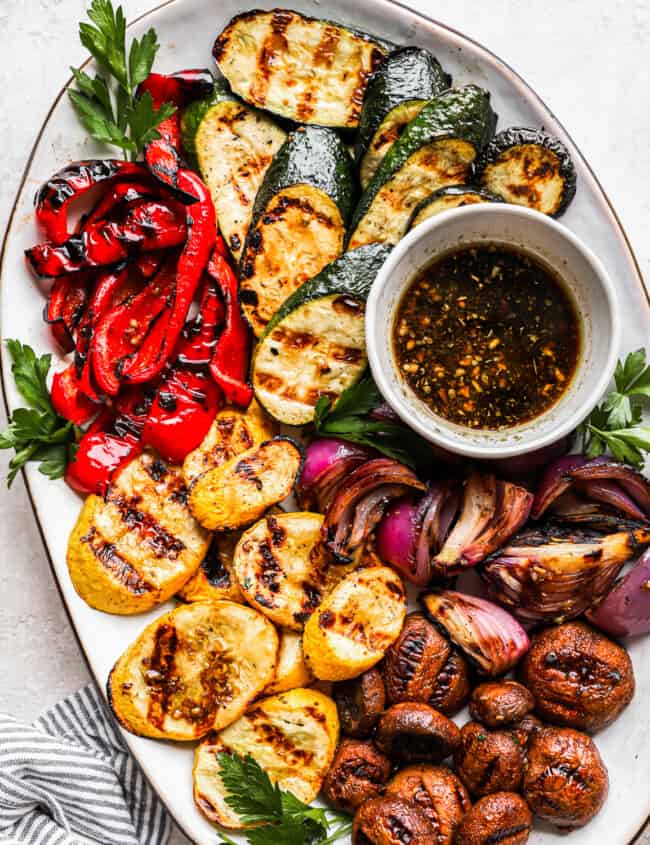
{"type": "Point", "coordinates": [586, 58]}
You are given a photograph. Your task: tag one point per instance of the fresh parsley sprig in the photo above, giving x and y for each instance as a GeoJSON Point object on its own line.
{"type": "Point", "coordinates": [109, 109]}
{"type": "Point", "coordinates": [36, 433]}
{"type": "Point", "coordinates": [280, 817]}
{"type": "Point", "coordinates": [349, 418]}
{"type": "Point", "coordinates": [616, 425]}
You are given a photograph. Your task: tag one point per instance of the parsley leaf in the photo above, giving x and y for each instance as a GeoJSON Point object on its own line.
{"type": "Point", "coordinates": [108, 108]}
{"type": "Point", "coordinates": [36, 433]}
{"type": "Point", "coordinates": [349, 419]}
{"type": "Point", "coordinates": [281, 818]}
{"type": "Point", "coordinates": [616, 425]}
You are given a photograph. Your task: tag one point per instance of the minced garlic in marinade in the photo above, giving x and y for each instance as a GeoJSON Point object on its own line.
{"type": "Point", "coordinates": [487, 336]}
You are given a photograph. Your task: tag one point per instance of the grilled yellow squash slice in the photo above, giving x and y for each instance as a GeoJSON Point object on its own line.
{"type": "Point", "coordinates": [138, 546]}
{"type": "Point", "coordinates": [214, 579]}
{"type": "Point", "coordinates": [281, 567]}
{"type": "Point", "coordinates": [239, 491]}
{"type": "Point", "coordinates": [292, 671]}
{"type": "Point", "coordinates": [292, 736]}
{"type": "Point", "coordinates": [355, 624]}
{"type": "Point", "coordinates": [308, 70]}
{"type": "Point", "coordinates": [232, 432]}
{"type": "Point", "coordinates": [193, 670]}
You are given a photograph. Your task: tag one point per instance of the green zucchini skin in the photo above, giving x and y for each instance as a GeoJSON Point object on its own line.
{"type": "Point", "coordinates": [518, 136]}
{"type": "Point", "coordinates": [194, 113]}
{"type": "Point", "coordinates": [311, 155]}
{"type": "Point", "coordinates": [407, 74]}
{"type": "Point", "coordinates": [453, 191]}
{"type": "Point", "coordinates": [353, 273]}
{"type": "Point", "coordinates": [463, 113]}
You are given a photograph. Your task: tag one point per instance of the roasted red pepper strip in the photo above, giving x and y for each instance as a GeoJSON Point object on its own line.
{"type": "Point", "coordinates": [148, 263]}
{"type": "Point", "coordinates": [65, 309]}
{"type": "Point", "coordinates": [120, 194]}
{"type": "Point", "coordinates": [163, 154]}
{"type": "Point", "coordinates": [199, 337]}
{"type": "Point", "coordinates": [55, 196]}
{"type": "Point", "coordinates": [158, 347]}
{"type": "Point", "coordinates": [99, 456]}
{"type": "Point", "coordinates": [67, 398]}
{"type": "Point", "coordinates": [230, 362]}
{"type": "Point", "coordinates": [120, 333]}
{"type": "Point", "coordinates": [149, 226]}
{"type": "Point", "coordinates": [181, 414]}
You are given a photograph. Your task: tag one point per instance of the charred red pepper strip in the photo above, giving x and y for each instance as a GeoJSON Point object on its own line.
{"type": "Point", "coordinates": [121, 193]}
{"type": "Point", "coordinates": [230, 362]}
{"type": "Point", "coordinates": [148, 226]}
{"type": "Point", "coordinates": [201, 224]}
{"type": "Point", "coordinates": [148, 263]}
{"type": "Point", "coordinates": [67, 398]}
{"type": "Point", "coordinates": [99, 456]}
{"type": "Point", "coordinates": [121, 331]}
{"type": "Point", "coordinates": [199, 337]}
{"type": "Point", "coordinates": [163, 154]}
{"type": "Point", "coordinates": [181, 414]}
{"type": "Point", "coordinates": [54, 197]}
{"type": "Point", "coordinates": [65, 308]}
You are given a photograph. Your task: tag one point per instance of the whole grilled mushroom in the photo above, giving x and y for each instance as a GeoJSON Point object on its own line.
{"type": "Point", "coordinates": [360, 703]}
{"type": "Point", "coordinates": [358, 772]}
{"type": "Point", "coordinates": [502, 818]}
{"type": "Point", "coordinates": [416, 733]}
{"type": "Point", "coordinates": [499, 703]}
{"type": "Point", "coordinates": [578, 676]}
{"type": "Point", "coordinates": [438, 792]}
{"type": "Point", "coordinates": [415, 659]}
{"type": "Point", "coordinates": [565, 781]}
{"type": "Point", "coordinates": [488, 761]}
{"type": "Point", "coordinates": [391, 821]}
{"type": "Point", "coordinates": [453, 685]}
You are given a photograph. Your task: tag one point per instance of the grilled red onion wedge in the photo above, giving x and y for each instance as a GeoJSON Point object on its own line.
{"type": "Point", "coordinates": [552, 574]}
{"type": "Point", "coordinates": [328, 461]}
{"type": "Point", "coordinates": [631, 480]}
{"type": "Point", "coordinates": [625, 610]}
{"type": "Point", "coordinates": [492, 639]}
{"type": "Point", "coordinates": [361, 502]}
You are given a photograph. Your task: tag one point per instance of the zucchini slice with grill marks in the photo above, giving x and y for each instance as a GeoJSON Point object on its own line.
{"type": "Point", "coordinates": [315, 344]}
{"type": "Point", "coordinates": [404, 83]}
{"type": "Point", "coordinates": [304, 69]}
{"type": "Point", "coordinates": [436, 149]}
{"type": "Point", "coordinates": [528, 167]}
{"type": "Point", "coordinates": [299, 220]}
{"type": "Point", "coordinates": [455, 196]}
{"type": "Point", "coordinates": [233, 146]}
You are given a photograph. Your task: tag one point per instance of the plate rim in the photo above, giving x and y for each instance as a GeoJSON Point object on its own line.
{"type": "Point", "coordinates": [509, 71]}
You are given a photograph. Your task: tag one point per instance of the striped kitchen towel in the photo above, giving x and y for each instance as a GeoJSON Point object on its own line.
{"type": "Point", "coordinates": [68, 779]}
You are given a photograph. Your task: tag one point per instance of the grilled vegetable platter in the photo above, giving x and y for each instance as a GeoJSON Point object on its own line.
{"type": "Point", "coordinates": [286, 584]}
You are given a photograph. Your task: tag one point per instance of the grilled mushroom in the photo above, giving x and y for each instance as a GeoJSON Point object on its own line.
{"type": "Point", "coordinates": [415, 732]}
{"type": "Point", "coordinates": [413, 663]}
{"type": "Point", "coordinates": [502, 818]}
{"type": "Point", "coordinates": [453, 685]}
{"type": "Point", "coordinates": [358, 772]}
{"type": "Point", "coordinates": [360, 702]}
{"type": "Point", "coordinates": [488, 761]}
{"type": "Point", "coordinates": [499, 703]}
{"type": "Point", "coordinates": [391, 821]}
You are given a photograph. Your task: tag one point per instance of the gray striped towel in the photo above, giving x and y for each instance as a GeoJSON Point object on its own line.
{"type": "Point", "coordinates": [68, 779]}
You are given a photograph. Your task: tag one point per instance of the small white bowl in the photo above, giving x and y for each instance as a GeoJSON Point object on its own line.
{"type": "Point", "coordinates": [585, 278]}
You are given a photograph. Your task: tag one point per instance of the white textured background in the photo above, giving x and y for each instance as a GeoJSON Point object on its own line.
{"type": "Point", "coordinates": [588, 59]}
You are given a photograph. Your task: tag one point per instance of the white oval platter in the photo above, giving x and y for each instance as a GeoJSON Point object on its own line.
{"type": "Point", "coordinates": [186, 30]}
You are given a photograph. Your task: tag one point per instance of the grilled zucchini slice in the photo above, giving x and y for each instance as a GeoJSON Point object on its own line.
{"type": "Point", "coordinates": [293, 737]}
{"type": "Point", "coordinates": [214, 580]}
{"type": "Point", "coordinates": [232, 432]}
{"type": "Point", "coordinates": [292, 671]}
{"type": "Point", "coordinates": [238, 492]}
{"type": "Point", "coordinates": [307, 70]}
{"type": "Point", "coordinates": [436, 149]}
{"type": "Point", "coordinates": [355, 624]}
{"type": "Point", "coordinates": [281, 567]}
{"type": "Point", "coordinates": [233, 146]}
{"type": "Point", "coordinates": [136, 547]}
{"type": "Point", "coordinates": [454, 196]}
{"type": "Point", "coordinates": [396, 93]}
{"type": "Point", "coordinates": [315, 344]}
{"type": "Point", "coordinates": [193, 670]}
{"type": "Point", "coordinates": [298, 223]}
{"type": "Point", "coordinates": [529, 167]}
